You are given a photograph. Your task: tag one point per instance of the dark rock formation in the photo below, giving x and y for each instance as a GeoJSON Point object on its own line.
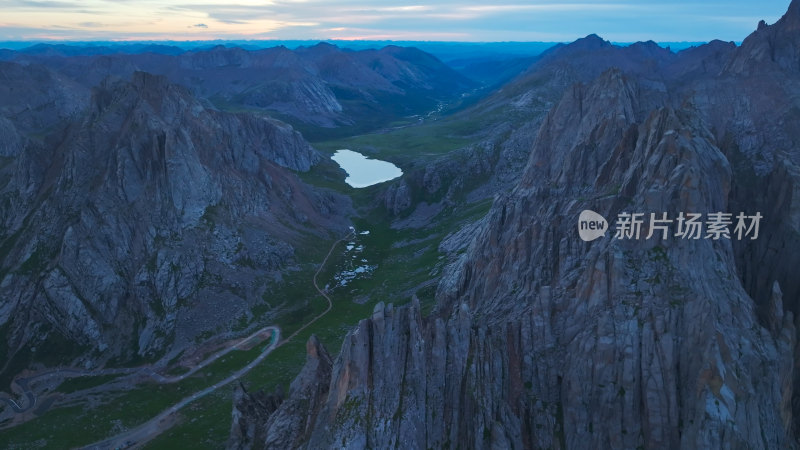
{"type": "Point", "coordinates": [292, 423]}
{"type": "Point", "coordinates": [541, 340]}
{"type": "Point", "coordinates": [269, 422]}
{"type": "Point", "coordinates": [36, 100]}
{"type": "Point", "coordinates": [250, 412]}
{"type": "Point", "coordinates": [126, 233]}
{"type": "Point", "coordinates": [397, 198]}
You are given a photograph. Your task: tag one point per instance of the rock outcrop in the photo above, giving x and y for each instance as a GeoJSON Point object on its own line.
{"type": "Point", "coordinates": [542, 340]}
{"type": "Point", "coordinates": [145, 215]}
{"type": "Point", "coordinates": [250, 412]}
{"type": "Point", "coordinates": [292, 423]}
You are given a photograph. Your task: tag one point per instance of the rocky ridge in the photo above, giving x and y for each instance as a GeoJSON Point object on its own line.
{"type": "Point", "coordinates": [148, 213]}
{"type": "Point", "coordinates": [540, 340]}
{"type": "Point", "coordinates": [320, 85]}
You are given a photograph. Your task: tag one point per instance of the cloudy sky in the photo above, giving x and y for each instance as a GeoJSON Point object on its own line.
{"type": "Point", "coordinates": [440, 20]}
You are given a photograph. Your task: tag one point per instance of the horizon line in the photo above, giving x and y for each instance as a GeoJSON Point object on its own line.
{"type": "Point", "coordinates": [136, 41]}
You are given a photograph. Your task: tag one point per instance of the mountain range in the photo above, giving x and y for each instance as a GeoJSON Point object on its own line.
{"type": "Point", "coordinates": [321, 85]}
{"type": "Point", "coordinates": [152, 202]}
{"type": "Point", "coordinates": [540, 340]}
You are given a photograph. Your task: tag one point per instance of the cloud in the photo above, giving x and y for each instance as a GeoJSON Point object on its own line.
{"type": "Point", "coordinates": [231, 21]}
{"type": "Point", "coordinates": [549, 7]}
{"type": "Point", "coordinates": [47, 4]}
{"type": "Point", "coordinates": [476, 20]}
{"type": "Point", "coordinates": [368, 34]}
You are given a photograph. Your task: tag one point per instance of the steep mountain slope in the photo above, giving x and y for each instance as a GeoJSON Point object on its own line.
{"type": "Point", "coordinates": [148, 213]}
{"type": "Point", "coordinates": [503, 125]}
{"type": "Point", "coordinates": [321, 85]}
{"type": "Point", "coordinates": [541, 340]}
{"type": "Point", "coordinates": [35, 101]}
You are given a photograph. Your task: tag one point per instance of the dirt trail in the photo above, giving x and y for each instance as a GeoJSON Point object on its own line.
{"type": "Point", "coordinates": [143, 433]}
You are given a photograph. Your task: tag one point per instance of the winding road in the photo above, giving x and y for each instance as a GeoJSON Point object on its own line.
{"type": "Point", "coordinates": [349, 235]}
{"type": "Point", "coordinates": [154, 426]}
{"type": "Point", "coordinates": [30, 396]}
{"type": "Point", "coordinates": [143, 433]}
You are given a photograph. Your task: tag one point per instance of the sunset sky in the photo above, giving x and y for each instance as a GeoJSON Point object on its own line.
{"type": "Point", "coordinates": [442, 20]}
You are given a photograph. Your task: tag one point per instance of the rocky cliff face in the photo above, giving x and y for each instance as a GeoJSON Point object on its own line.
{"type": "Point", "coordinates": [36, 100]}
{"type": "Point", "coordinates": [269, 422]}
{"type": "Point", "coordinates": [250, 412]}
{"type": "Point", "coordinates": [541, 340]}
{"type": "Point", "coordinates": [126, 235]}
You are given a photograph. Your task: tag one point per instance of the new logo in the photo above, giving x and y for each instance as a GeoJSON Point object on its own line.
{"type": "Point", "coordinates": [591, 225]}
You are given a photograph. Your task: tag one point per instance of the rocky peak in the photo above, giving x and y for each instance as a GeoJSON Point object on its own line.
{"type": "Point", "coordinates": [791, 20]}
{"type": "Point", "coordinates": [147, 194]}
{"type": "Point", "coordinates": [144, 82]}
{"type": "Point", "coordinates": [154, 90]}
{"type": "Point", "coordinates": [591, 41]}
{"type": "Point", "coordinates": [570, 128]}
{"type": "Point", "coordinates": [541, 340]}
{"type": "Point", "coordinates": [650, 50]}
{"type": "Point", "coordinates": [771, 45]}
{"type": "Point", "coordinates": [323, 48]}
